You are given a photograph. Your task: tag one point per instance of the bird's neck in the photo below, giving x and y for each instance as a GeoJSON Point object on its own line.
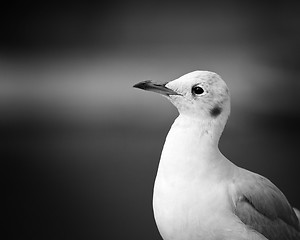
{"type": "Point", "coordinates": [191, 148]}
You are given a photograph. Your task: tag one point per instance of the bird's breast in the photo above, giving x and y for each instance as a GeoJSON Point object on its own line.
{"type": "Point", "coordinates": [189, 210]}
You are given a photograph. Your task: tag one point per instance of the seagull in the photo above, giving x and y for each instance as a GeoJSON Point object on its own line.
{"type": "Point", "coordinates": [198, 193]}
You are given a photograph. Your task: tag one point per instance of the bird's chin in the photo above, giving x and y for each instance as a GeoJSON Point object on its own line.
{"type": "Point", "coordinates": [173, 98]}
{"type": "Point", "coordinates": [177, 101]}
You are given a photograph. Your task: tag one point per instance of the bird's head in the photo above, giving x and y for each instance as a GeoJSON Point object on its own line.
{"type": "Point", "coordinates": [199, 94]}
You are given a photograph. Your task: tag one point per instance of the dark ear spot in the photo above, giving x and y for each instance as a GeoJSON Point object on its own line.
{"type": "Point", "coordinates": [216, 111]}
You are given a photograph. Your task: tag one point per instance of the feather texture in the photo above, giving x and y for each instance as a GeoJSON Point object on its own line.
{"type": "Point", "coordinates": [262, 206]}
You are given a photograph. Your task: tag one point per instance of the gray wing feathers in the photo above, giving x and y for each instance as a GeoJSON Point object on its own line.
{"type": "Point", "coordinates": [263, 207]}
{"type": "Point", "coordinates": [297, 213]}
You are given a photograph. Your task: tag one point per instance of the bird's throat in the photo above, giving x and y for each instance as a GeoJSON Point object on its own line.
{"type": "Point", "coordinates": [191, 149]}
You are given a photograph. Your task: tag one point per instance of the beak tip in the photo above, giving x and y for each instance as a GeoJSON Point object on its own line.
{"type": "Point", "coordinates": [141, 85]}
{"type": "Point", "coordinates": [149, 85]}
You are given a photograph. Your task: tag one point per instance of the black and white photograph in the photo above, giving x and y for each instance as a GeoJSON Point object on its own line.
{"type": "Point", "coordinates": [150, 120]}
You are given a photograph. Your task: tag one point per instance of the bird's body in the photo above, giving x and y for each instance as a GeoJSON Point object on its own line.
{"type": "Point", "coordinates": [198, 193]}
{"type": "Point", "coordinates": [192, 194]}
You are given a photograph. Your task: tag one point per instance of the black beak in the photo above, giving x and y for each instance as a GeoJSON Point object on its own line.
{"type": "Point", "coordinates": [155, 87]}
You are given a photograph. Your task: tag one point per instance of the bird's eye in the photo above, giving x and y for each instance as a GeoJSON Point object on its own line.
{"type": "Point", "coordinates": [197, 90]}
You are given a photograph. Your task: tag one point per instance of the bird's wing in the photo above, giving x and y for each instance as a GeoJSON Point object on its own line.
{"type": "Point", "coordinates": [297, 213]}
{"type": "Point", "coordinates": [262, 206]}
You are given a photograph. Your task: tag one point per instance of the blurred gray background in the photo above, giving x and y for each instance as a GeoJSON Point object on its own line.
{"type": "Point", "coordinates": [80, 146]}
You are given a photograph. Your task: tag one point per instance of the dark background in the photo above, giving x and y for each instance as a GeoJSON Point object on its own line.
{"type": "Point", "coordinates": [80, 146]}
